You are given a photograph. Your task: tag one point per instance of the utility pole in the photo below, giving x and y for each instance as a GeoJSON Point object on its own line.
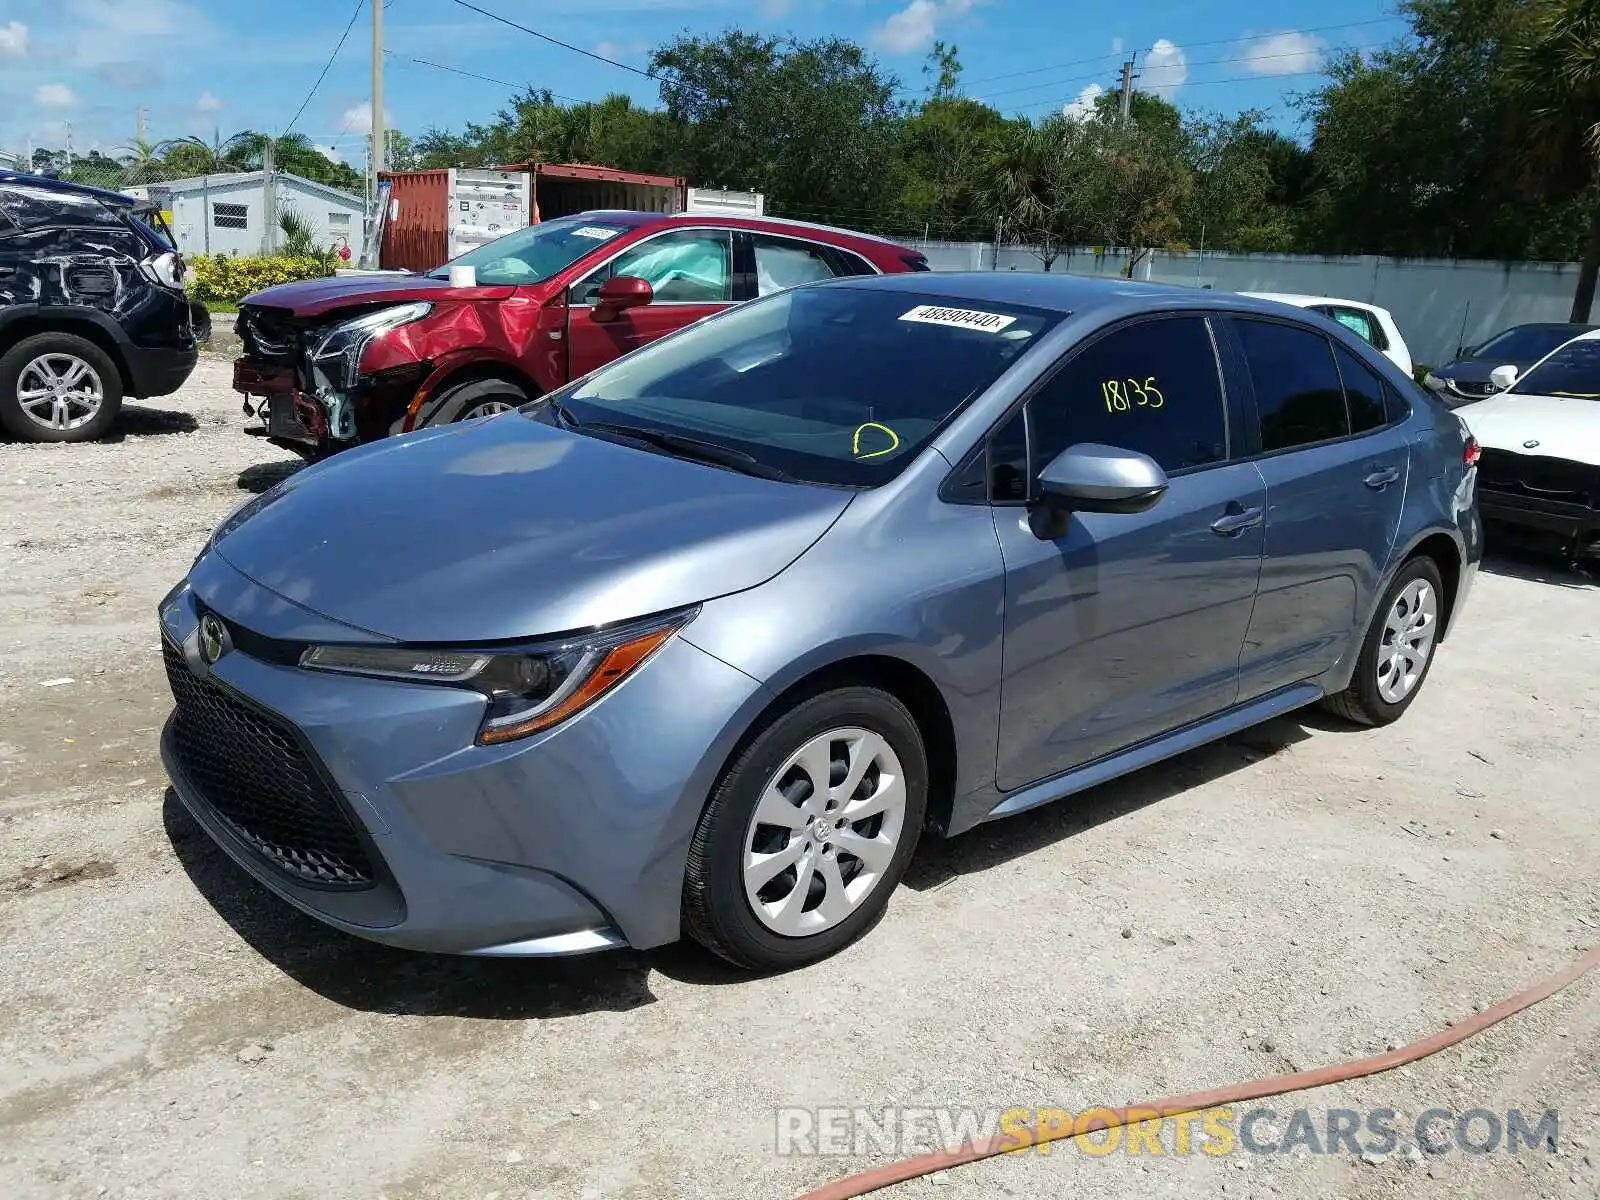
{"type": "Point", "coordinates": [378, 138]}
{"type": "Point", "coordinates": [69, 147]}
{"type": "Point", "coordinates": [1127, 89]}
{"type": "Point", "coordinates": [138, 114]}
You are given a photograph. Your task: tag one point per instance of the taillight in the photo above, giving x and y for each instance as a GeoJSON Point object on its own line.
{"type": "Point", "coordinates": [166, 269]}
{"type": "Point", "coordinates": [1473, 452]}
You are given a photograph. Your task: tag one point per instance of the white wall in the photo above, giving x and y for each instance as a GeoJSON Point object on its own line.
{"type": "Point", "coordinates": [189, 224]}
{"type": "Point", "coordinates": [1438, 304]}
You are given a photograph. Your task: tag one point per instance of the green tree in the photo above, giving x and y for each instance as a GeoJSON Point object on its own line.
{"type": "Point", "coordinates": [811, 124]}
{"type": "Point", "coordinates": [1555, 75]}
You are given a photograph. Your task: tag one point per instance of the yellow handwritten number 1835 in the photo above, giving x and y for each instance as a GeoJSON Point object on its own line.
{"type": "Point", "coordinates": [1120, 398]}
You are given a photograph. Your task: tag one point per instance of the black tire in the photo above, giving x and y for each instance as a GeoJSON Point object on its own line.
{"type": "Point", "coordinates": [457, 402]}
{"type": "Point", "coordinates": [1361, 702]}
{"type": "Point", "coordinates": [21, 425]}
{"type": "Point", "coordinates": [716, 911]}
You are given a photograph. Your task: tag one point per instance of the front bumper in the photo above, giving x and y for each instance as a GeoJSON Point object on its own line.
{"type": "Point", "coordinates": [573, 840]}
{"type": "Point", "coordinates": [1545, 494]}
{"type": "Point", "coordinates": [1573, 522]}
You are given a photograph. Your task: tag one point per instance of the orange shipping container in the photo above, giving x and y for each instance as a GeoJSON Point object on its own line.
{"type": "Point", "coordinates": [424, 229]}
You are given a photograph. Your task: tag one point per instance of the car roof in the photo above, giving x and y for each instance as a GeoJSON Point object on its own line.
{"type": "Point", "coordinates": [1074, 294]}
{"type": "Point", "coordinates": [1298, 300]}
{"type": "Point", "coordinates": [732, 221]}
{"type": "Point", "coordinates": [44, 183]}
{"type": "Point", "coordinates": [1575, 326]}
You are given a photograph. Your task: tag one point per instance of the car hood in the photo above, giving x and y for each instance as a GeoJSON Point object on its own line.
{"type": "Point", "coordinates": [1561, 428]}
{"type": "Point", "coordinates": [1474, 370]}
{"type": "Point", "coordinates": [314, 297]}
{"type": "Point", "coordinates": [509, 528]}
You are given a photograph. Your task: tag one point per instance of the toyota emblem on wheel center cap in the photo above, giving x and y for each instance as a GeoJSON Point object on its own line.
{"type": "Point", "coordinates": [1530, 444]}
{"type": "Point", "coordinates": [213, 639]}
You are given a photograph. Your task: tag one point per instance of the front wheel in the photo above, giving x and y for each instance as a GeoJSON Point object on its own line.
{"type": "Point", "coordinates": [808, 831]}
{"type": "Point", "coordinates": [1398, 649]}
{"type": "Point", "coordinates": [480, 398]}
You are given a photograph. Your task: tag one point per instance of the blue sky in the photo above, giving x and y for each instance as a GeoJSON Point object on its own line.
{"type": "Point", "coordinates": [197, 66]}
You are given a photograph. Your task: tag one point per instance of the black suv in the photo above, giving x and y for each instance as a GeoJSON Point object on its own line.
{"type": "Point", "coordinates": [92, 308]}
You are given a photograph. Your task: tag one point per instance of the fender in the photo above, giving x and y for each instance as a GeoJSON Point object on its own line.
{"type": "Point", "coordinates": [465, 361]}
{"type": "Point", "coordinates": [66, 314]}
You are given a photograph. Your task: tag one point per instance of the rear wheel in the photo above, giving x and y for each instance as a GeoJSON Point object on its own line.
{"type": "Point", "coordinates": [57, 387]}
{"type": "Point", "coordinates": [1398, 649]}
{"type": "Point", "coordinates": [808, 832]}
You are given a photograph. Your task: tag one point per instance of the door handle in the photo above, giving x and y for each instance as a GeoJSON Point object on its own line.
{"type": "Point", "coordinates": [1234, 523]}
{"type": "Point", "coordinates": [1381, 479]}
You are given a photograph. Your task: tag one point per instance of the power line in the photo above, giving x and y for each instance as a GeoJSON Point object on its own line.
{"type": "Point", "coordinates": [1189, 46]}
{"type": "Point", "coordinates": [545, 37]}
{"type": "Point", "coordinates": [516, 87]}
{"type": "Point", "coordinates": [326, 67]}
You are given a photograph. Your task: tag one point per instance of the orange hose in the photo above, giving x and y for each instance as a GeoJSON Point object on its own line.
{"type": "Point", "coordinates": [1192, 1102]}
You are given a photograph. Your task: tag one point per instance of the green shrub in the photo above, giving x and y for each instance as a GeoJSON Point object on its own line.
{"type": "Point", "coordinates": [229, 280]}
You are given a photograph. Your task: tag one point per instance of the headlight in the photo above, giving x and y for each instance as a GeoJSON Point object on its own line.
{"type": "Point", "coordinates": [527, 689]}
{"type": "Point", "coordinates": [338, 354]}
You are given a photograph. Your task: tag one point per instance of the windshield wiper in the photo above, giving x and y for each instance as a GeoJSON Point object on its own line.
{"type": "Point", "coordinates": [689, 448]}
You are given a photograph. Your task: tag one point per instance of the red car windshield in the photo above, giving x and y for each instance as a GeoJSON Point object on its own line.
{"type": "Point", "coordinates": [536, 253]}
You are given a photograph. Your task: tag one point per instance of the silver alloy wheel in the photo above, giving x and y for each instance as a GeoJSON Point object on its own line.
{"type": "Point", "coordinates": [60, 391]}
{"type": "Point", "coordinates": [488, 408]}
{"type": "Point", "coordinates": [824, 832]}
{"type": "Point", "coordinates": [1408, 634]}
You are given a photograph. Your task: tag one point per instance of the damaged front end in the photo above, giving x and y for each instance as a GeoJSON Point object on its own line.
{"type": "Point", "coordinates": [316, 398]}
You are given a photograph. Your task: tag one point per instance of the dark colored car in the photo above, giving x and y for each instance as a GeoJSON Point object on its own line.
{"type": "Point", "coordinates": [342, 361]}
{"type": "Point", "coordinates": [1467, 378]}
{"type": "Point", "coordinates": [705, 642]}
{"type": "Point", "coordinates": [92, 308]}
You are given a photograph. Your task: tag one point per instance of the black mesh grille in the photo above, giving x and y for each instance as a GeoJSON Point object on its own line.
{"type": "Point", "coordinates": [1539, 476]}
{"type": "Point", "coordinates": [253, 773]}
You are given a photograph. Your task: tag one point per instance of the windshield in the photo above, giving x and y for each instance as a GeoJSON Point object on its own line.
{"type": "Point", "coordinates": [830, 384]}
{"type": "Point", "coordinates": [1573, 370]}
{"type": "Point", "coordinates": [536, 253]}
{"type": "Point", "coordinates": [1525, 343]}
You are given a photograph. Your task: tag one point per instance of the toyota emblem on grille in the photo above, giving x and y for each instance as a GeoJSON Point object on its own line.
{"type": "Point", "coordinates": [1531, 444]}
{"type": "Point", "coordinates": [213, 639]}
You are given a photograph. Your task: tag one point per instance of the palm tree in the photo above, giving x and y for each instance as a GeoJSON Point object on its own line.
{"type": "Point", "coordinates": [1555, 75]}
{"type": "Point", "coordinates": [142, 161]}
{"type": "Point", "coordinates": [192, 155]}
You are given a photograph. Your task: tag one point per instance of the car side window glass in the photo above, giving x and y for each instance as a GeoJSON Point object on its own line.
{"type": "Point", "coordinates": [1299, 397]}
{"type": "Point", "coordinates": [1395, 406]}
{"type": "Point", "coordinates": [694, 266]}
{"type": "Point", "coordinates": [1008, 460]}
{"type": "Point", "coordinates": [781, 263]}
{"type": "Point", "coordinates": [1356, 321]}
{"type": "Point", "coordinates": [1363, 392]}
{"type": "Point", "coordinates": [1152, 387]}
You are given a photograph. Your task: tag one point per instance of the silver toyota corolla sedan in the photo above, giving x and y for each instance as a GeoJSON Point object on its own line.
{"type": "Point", "coordinates": [707, 640]}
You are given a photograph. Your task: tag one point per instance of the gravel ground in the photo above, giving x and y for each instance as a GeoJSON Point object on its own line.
{"type": "Point", "coordinates": [1298, 895]}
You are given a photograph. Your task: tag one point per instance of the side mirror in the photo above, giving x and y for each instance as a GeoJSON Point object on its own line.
{"type": "Point", "coordinates": [622, 292]}
{"type": "Point", "coordinates": [1503, 377]}
{"type": "Point", "coordinates": [1092, 478]}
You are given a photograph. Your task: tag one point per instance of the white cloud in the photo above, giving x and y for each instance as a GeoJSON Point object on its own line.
{"type": "Point", "coordinates": [13, 40]}
{"type": "Point", "coordinates": [1164, 69]}
{"type": "Point", "coordinates": [622, 51]}
{"type": "Point", "coordinates": [775, 10]}
{"type": "Point", "coordinates": [1282, 54]}
{"type": "Point", "coordinates": [359, 118]}
{"type": "Point", "coordinates": [208, 102]}
{"type": "Point", "coordinates": [1083, 106]}
{"type": "Point", "coordinates": [54, 95]}
{"type": "Point", "coordinates": [1116, 45]}
{"type": "Point", "coordinates": [914, 26]}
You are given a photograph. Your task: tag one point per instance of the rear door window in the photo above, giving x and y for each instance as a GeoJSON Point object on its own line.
{"type": "Point", "coordinates": [1152, 387]}
{"type": "Point", "coordinates": [786, 262]}
{"type": "Point", "coordinates": [1299, 395]}
{"type": "Point", "coordinates": [1363, 391]}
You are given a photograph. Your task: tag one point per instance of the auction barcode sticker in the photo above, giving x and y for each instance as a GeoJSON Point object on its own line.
{"type": "Point", "coordinates": [960, 318]}
{"type": "Point", "coordinates": [598, 232]}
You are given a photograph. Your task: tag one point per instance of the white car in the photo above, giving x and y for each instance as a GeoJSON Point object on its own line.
{"type": "Point", "coordinates": [1367, 321]}
{"type": "Point", "coordinates": [1540, 465]}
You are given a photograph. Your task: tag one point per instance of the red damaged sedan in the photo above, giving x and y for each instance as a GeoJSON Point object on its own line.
{"type": "Point", "coordinates": [332, 363]}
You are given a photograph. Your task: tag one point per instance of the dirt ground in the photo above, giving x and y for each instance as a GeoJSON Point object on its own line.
{"type": "Point", "coordinates": [1301, 894]}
